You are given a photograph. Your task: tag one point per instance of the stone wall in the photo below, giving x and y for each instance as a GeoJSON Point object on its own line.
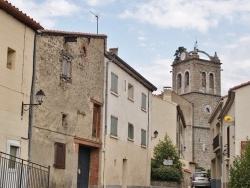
{"type": "Point", "coordinates": [66, 115]}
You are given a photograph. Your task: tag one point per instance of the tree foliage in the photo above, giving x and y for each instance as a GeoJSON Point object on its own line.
{"type": "Point", "coordinates": [240, 170]}
{"type": "Point", "coordinates": [166, 150]}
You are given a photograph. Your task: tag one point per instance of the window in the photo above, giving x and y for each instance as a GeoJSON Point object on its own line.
{"type": "Point", "coordinates": [11, 55]}
{"type": "Point", "coordinates": [203, 79]}
{"type": "Point", "coordinates": [114, 83]}
{"type": "Point", "coordinates": [211, 80]}
{"type": "Point", "coordinates": [186, 78]}
{"type": "Point", "coordinates": [60, 155]}
{"type": "Point", "coordinates": [114, 122]}
{"type": "Point", "coordinates": [13, 149]}
{"type": "Point", "coordinates": [66, 68]}
{"type": "Point", "coordinates": [179, 81]}
{"type": "Point", "coordinates": [130, 131]}
{"type": "Point", "coordinates": [130, 91]}
{"type": "Point", "coordinates": [143, 137]}
{"type": "Point", "coordinates": [143, 101]}
{"type": "Point", "coordinates": [65, 120]}
{"type": "Point", "coordinates": [96, 121]}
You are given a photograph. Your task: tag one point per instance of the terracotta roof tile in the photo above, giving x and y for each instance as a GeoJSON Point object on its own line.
{"type": "Point", "coordinates": [240, 86]}
{"type": "Point", "coordinates": [61, 33]}
{"type": "Point", "coordinates": [19, 15]}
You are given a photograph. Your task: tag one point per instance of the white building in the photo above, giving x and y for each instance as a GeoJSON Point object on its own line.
{"type": "Point", "coordinates": [229, 130]}
{"type": "Point", "coordinates": [127, 125]}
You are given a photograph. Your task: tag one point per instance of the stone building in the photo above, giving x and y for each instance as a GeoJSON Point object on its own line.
{"type": "Point", "coordinates": [127, 134]}
{"type": "Point", "coordinates": [196, 77]}
{"type": "Point", "coordinates": [17, 35]}
{"type": "Point", "coordinates": [67, 126]}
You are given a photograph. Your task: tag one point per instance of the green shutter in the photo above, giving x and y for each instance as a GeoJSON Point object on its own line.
{"type": "Point", "coordinates": [114, 121]}
{"type": "Point", "coordinates": [114, 83]}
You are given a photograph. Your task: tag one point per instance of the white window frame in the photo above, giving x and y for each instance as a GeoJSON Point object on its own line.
{"type": "Point", "coordinates": [16, 144]}
{"type": "Point", "coordinates": [143, 97]}
{"type": "Point", "coordinates": [111, 133]}
{"type": "Point", "coordinates": [114, 83]}
{"type": "Point", "coordinates": [130, 92]}
{"type": "Point", "coordinates": [143, 137]}
{"type": "Point", "coordinates": [131, 137]}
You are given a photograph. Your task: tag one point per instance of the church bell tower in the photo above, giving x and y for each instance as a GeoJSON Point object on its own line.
{"type": "Point", "coordinates": [196, 76]}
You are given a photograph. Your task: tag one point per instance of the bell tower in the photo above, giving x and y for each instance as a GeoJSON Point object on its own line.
{"type": "Point", "coordinates": [196, 76]}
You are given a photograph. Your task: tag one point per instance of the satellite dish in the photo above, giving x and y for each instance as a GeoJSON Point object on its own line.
{"type": "Point", "coordinates": [228, 119]}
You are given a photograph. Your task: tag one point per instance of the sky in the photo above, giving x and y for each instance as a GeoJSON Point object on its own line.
{"type": "Point", "coordinates": [148, 32]}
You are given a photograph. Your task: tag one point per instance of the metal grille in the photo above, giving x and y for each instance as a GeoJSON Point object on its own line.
{"type": "Point", "coordinates": [18, 173]}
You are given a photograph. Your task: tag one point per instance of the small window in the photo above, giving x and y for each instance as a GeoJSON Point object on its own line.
{"type": "Point", "coordinates": [96, 121]}
{"type": "Point", "coordinates": [203, 79]}
{"type": "Point", "coordinates": [143, 101]}
{"type": "Point", "coordinates": [187, 79]}
{"type": "Point", "coordinates": [179, 81]}
{"type": "Point", "coordinates": [65, 120]}
{"type": "Point", "coordinates": [114, 124]}
{"type": "Point", "coordinates": [66, 68]}
{"type": "Point", "coordinates": [114, 83]}
{"type": "Point", "coordinates": [11, 56]}
{"type": "Point", "coordinates": [130, 91]}
{"type": "Point", "coordinates": [60, 155]}
{"type": "Point", "coordinates": [130, 131]}
{"type": "Point", "coordinates": [211, 80]}
{"type": "Point", "coordinates": [143, 137]}
{"type": "Point", "coordinates": [14, 150]}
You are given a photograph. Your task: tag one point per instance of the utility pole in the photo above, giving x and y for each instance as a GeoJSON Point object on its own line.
{"type": "Point", "coordinates": [97, 17]}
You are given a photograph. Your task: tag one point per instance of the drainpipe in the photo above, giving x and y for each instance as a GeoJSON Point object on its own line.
{"type": "Point", "coordinates": [149, 137]}
{"type": "Point", "coordinates": [32, 96]}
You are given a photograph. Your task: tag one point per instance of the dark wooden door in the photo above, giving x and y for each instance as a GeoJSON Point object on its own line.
{"type": "Point", "coordinates": [83, 167]}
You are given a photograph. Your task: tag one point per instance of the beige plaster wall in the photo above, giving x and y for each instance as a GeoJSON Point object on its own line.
{"type": "Point", "coordinates": [15, 83]}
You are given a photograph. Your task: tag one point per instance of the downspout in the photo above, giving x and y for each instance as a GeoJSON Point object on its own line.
{"type": "Point", "coordinates": [149, 137]}
{"type": "Point", "coordinates": [32, 96]}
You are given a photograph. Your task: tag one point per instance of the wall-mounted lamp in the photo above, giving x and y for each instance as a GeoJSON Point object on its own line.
{"type": "Point", "coordinates": [228, 119]}
{"type": "Point", "coordinates": [155, 135]}
{"type": "Point", "coordinates": [39, 96]}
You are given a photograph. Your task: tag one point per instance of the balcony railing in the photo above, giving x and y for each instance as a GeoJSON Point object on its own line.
{"type": "Point", "coordinates": [18, 173]}
{"type": "Point", "coordinates": [216, 142]}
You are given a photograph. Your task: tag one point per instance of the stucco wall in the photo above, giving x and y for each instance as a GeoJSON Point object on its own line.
{"type": "Point", "coordinates": [15, 83]}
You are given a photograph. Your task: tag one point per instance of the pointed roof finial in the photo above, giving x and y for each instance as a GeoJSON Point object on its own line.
{"type": "Point", "coordinates": [195, 46]}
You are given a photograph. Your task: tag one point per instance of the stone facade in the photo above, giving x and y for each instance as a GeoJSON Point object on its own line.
{"type": "Point", "coordinates": [70, 71]}
{"type": "Point", "coordinates": [199, 81]}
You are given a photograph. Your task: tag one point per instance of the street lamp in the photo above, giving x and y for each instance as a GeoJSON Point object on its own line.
{"type": "Point", "coordinates": [155, 135]}
{"type": "Point", "coordinates": [39, 96]}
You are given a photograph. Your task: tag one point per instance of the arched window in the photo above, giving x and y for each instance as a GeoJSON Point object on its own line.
{"type": "Point", "coordinates": [203, 79]}
{"type": "Point", "coordinates": [187, 79]}
{"type": "Point", "coordinates": [179, 81]}
{"type": "Point", "coordinates": [211, 80]}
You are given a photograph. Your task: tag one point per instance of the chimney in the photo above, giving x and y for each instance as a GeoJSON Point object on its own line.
{"type": "Point", "coordinates": [114, 51]}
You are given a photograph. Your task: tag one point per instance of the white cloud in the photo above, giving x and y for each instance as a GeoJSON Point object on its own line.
{"type": "Point", "coordinates": [46, 12]}
{"type": "Point", "coordinates": [157, 72]}
{"type": "Point", "coordinates": [98, 2]}
{"type": "Point", "coordinates": [192, 14]}
{"type": "Point", "coordinates": [235, 63]}
{"type": "Point", "coordinates": [141, 38]}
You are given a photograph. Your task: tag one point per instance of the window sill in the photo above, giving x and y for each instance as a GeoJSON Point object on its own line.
{"type": "Point", "coordinates": [143, 109]}
{"type": "Point", "coordinates": [132, 100]}
{"type": "Point", "coordinates": [113, 136]}
{"type": "Point", "coordinates": [143, 146]}
{"type": "Point", "coordinates": [130, 139]}
{"type": "Point", "coordinates": [114, 93]}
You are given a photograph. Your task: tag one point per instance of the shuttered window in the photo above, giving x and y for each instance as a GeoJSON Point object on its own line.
{"type": "Point", "coordinates": [114, 122]}
{"type": "Point", "coordinates": [66, 68]}
{"type": "Point", "coordinates": [143, 137]}
{"type": "Point", "coordinates": [130, 131]}
{"type": "Point", "coordinates": [130, 91]}
{"type": "Point", "coordinates": [96, 121]}
{"type": "Point", "coordinates": [60, 155]}
{"type": "Point", "coordinates": [144, 101]}
{"type": "Point", "coordinates": [114, 83]}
